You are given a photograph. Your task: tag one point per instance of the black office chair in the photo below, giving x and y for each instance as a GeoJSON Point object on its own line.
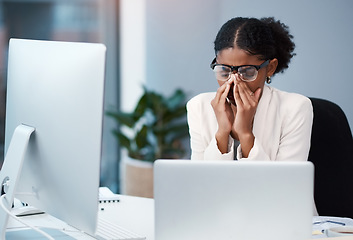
{"type": "Point", "coordinates": [332, 154]}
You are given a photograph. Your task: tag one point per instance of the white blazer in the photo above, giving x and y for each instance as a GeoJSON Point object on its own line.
{"type": "Point", "coordinates": [282, 128]}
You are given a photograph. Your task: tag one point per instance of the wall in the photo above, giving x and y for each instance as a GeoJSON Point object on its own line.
{"type": "Point", "coordinates": [179, 47]}
{"type": "Point", "coordinates": [179, 38]}
{"type": "Point", "coordinates": [132, 51]}
{"type": "Point", "coordinates": [323, 35]}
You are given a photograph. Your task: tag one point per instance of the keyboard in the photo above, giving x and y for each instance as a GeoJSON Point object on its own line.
{"type": "Point", "coordinates": [109, 203]}
{"type": "Point", "coordinates": [107, 230]}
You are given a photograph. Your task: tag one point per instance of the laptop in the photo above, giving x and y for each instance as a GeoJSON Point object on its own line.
{"type": "Point", "coordinates": [201, 200]}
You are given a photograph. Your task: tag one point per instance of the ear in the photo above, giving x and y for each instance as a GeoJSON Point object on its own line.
{"type": "Point", "coordinates": [271, 67]}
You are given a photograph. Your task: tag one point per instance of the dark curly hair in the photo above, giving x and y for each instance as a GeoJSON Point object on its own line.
{"type": "Point", "coordinates": [264, 37]}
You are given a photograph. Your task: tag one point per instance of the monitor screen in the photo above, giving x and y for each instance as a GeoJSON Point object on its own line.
{"type": "Point", "coordinates": [58, 89]}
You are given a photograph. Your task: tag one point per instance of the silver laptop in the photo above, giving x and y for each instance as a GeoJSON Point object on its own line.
{"type": "Point", "coordinates": [233, 200]}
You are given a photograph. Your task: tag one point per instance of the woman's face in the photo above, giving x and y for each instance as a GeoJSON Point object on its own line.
{"type": "Point", "coordinates": [237, 57]}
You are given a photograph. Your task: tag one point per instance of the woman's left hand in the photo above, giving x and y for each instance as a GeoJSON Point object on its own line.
{"type": "Point", "coordinates": [247, 102]}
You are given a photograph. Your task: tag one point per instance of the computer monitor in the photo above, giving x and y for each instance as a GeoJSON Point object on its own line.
{"type": "Point", "coordinates": [55, 96]}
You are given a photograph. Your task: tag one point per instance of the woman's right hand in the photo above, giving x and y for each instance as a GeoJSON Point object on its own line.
{"type": "Point", "coordinates": [225, 115]}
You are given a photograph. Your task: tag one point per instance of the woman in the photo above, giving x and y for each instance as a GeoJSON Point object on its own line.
{"type": "Point", "coordinates": [268, 124]}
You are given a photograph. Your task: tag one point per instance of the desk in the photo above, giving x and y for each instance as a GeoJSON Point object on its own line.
{"type": "Point", "coordinates": [339, 238]}
{"type": "Point", "coordinates": [135, 214]}
{"type": "Point", "coordinates": [132, 213]}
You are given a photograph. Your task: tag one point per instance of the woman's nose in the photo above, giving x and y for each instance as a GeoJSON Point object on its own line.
{"type": "Point", "coordinates": [234, 76]}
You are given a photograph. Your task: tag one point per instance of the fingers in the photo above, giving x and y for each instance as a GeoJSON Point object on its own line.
{"type": "Point", "coordinates": [244, 96]}
{"type": "Point", "coordinates": [222, 92]}
{"type": "Point", "coordinates": [236, 94]}
{"type": "Point", "coordinates": [223, 111]}
{"type": "Point", "coordinates": [257, 94]}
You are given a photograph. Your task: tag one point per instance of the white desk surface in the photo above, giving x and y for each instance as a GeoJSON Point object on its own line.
{"type": "Point", "coordinates": [133, 213]}
{"type": "Point", "coordinates": [339, 238]}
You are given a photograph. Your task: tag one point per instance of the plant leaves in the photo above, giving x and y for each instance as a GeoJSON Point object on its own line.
{"type": "Point", "coordinates": [164, 126]}
{"type": "Point", "coordinates": [177, 99]}
{"type": "Point", "coordinates": [141, 137]}
{"type": "Point", "coordinates": [175, 114]}
{"type": "Point", "coordinates": [122, 118]}
{"type": "Point", "coordinates": [123, 140]}
{"type": "Point", "coordinates": [141, 106]}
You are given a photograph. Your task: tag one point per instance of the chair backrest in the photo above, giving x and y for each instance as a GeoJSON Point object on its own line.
{"type": "Point", "coordinates": [332, 154]}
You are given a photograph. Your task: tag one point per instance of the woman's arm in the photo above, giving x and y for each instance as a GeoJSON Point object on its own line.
{"type": "Point", "coordinates": [296, 135]}
{"type": "Point", "coordinates": [291, 132]}
{"type": "Point", "coordinates": [202, 129]}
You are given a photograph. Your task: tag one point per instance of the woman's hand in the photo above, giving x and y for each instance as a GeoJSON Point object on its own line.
{"type": "Point", "coordinates": [236, 121]}
{"type": "Point", "coordinates": [224, 114]}
{"type": "Point", "coordinates": [247, 102]}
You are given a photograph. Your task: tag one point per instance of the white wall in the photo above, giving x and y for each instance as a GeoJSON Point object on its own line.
{"type": "Point", "coordinates": [179, 46]}
{"type": "Point", "coordinates": [132, 51]}
{"type": "Point", "coordinates": [323, 35]}
{"type": "Point", "coordinates": [179, 37]}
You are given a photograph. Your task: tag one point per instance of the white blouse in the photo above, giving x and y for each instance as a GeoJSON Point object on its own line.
{"type": "Point", "coordinates": [282, 128]}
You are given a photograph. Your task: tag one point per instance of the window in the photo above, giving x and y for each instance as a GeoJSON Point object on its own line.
{"type": "Point", "coordinates": [72, 20]}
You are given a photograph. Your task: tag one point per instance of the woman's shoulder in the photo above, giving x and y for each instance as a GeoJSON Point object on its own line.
{"type": "Point", "coordinates": [290, 97]}
{"type": "Point", "coordinates": [201, 99]}
{"type": "Point", "coordinates": [291, 100]}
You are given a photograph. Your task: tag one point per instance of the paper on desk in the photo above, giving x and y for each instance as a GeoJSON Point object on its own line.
{"type": "Point", "coordinates": [321, 223]}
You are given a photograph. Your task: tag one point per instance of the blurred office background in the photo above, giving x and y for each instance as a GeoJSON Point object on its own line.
{"type": "Point", "coordinates": [168, 44]}
{"type": "Point", "coordinates": [68, 20]}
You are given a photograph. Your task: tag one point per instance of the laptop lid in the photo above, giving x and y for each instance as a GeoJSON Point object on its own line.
{"type": "Point", "coordinates": [233, 200]}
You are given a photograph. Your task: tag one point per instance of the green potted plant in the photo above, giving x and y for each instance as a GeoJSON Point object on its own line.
{"type": "Point", "coordinates": [154, 130]}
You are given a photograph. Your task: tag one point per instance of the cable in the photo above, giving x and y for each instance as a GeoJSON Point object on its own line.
{"type": "Point", "coordinates": [19, 220]}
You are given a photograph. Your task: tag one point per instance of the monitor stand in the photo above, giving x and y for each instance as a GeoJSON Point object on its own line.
{"type": "Point", "coordinates": [11, 170]}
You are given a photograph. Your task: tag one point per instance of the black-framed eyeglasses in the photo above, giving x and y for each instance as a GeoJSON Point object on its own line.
{"type": "Point", "coordinates": [247, 73]}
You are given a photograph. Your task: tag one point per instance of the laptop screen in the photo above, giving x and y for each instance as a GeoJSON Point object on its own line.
{"type": "Point", "coordinates": [233, 200]}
